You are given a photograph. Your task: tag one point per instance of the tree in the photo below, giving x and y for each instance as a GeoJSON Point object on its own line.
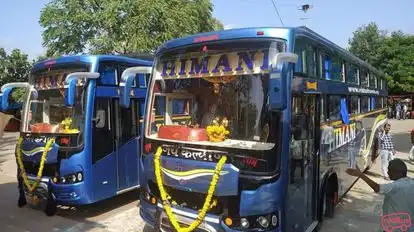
{"type": "Point", "coordinates": [14, 67]}
{"type": "Point", "coordinates": [366, 41]}
{"type": "Point", "coordinates": [396, 59]}
{"type": "Point", "coordinates": [391, 53]}
{"type": "Point", "coordinates": [120, 27]}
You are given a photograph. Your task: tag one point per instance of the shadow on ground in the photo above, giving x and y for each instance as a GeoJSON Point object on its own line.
{"type": "Point", "coordinates": [358, 211]}
{"type": "Point", "coordinates": [67, 219]}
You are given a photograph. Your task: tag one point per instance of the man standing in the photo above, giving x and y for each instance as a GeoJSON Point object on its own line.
{"type": "Point", "coordinates": [405, 109]}
{"type": "Point", "coordinates": [398, 195]}
{"type": "Point", "coordinates": [386, 149]}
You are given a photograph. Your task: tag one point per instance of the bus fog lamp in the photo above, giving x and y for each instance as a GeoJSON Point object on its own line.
{"type": "Point", "coordinates": [274, 220]}
{"type": "Point", "coordinates": [263, 222]}
{"type": "Point", "coordinates": [244, 223]}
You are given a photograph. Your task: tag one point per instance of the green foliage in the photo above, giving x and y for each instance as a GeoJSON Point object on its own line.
{"type": "Point", "coordinates": [366, 41]}
{"type": "Point", "coordinates": [121, 26]}
{"type": "Point", "coordinates": [14, 67]}
{"type": "Point", "coordinates": [391, 53]}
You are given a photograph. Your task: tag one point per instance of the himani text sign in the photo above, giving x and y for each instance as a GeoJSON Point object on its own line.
{"type": "Point", "coordinates": [337, 137]}
{"type": "Point", "coordinates": [235, 63]}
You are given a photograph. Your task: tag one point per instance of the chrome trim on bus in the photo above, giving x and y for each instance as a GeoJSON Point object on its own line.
{"type": "Point", "coordinates": [44, 179]}
{"type": "Point", "coordinates": [127, 189]}
{"type": "Point", "coordinates": [191, 215]}
{"type": "Point", "coordinates": [203, 226]}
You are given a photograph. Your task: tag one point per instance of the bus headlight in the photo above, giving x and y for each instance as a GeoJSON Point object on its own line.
{"type": "Point", "coordinates": [244, 223]}
{"type": "Point", "coordinates": [80, 177]}
{"type": "Point", "coordinates": [70, 178]}
{"type": "Point", "coordinates": [274, 220]}
{"type": "Point", "coordinates": [258, 222]}
{"type": "Point", "coordinates": [148, 197]}
{"type": "Point", "coordinates": [263, 222]}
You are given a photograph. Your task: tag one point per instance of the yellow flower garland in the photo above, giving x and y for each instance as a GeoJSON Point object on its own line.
{"type": "Point", "coordinates": [207, 203]}
{"type": "Point", "coordinates": [217, 132]}
{"type": "Point", "coordinates": [42, 164]}
{"type": "Point", "coordinates": [66, 125]}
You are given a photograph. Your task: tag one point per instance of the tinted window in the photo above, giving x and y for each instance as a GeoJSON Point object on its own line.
{"type": "Point", "coordinates": [128, 123]}
{"type": "Point", "coordinates": [108, 73]}
{"type": "Point", "coordinates": [313, 64]}
{"type": "Point", "coordinates": [102, 135]}
{"type": "Point", "coordinates": [364, 104]}
{"type": "Point", "coordinates": [352, 74]}
{"type": "Point", "coordinates": [354, 104]}
{"type": "Point", "coordinates": [301, 64]}
{"type": "Point", "coordinates": [372, 81]}
{"type": "Point", "coordinates": [181, 106]}
{"type": "Point", "coordinates": [379, 83]}
{"type": "Point", "coordinates": [334, 103]}
{"type": "Point", "coordinates": [333, 68]}
{"type": "Point", "coordinates": [378, 103]}
{"type": "Point", "coordinates": [122, 68]}
{"type": "Point", "coordinates": [364, 78]}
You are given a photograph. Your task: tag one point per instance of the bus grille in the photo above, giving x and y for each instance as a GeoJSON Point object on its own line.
{"type": "Point", "coordinates": [191, 200]}
{"type": "Point", "coordinates": [49, 170]}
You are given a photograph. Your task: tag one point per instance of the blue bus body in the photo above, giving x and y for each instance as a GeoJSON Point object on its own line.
{"type": "Point", "coordinates": [101, 160]}
{"type": "Point", "coordinates": [315, 117]}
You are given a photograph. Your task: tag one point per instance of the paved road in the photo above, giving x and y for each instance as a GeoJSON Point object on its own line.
{"type": "Point", "coordinates": [357, 212]}
{"type": "Point", "coordinates": [119, 214]}
{"type": "Point", "coordinates": [360, 209]}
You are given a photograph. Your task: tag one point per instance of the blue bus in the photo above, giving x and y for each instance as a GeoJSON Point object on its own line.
{"type": "Point", "coordinates": [274, 118]}
{"type": "Point", "coordinates": [80, 132]}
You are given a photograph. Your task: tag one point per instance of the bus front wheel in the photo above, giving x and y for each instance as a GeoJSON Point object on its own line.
{"type": "Point", "coordinates": [330, 202]}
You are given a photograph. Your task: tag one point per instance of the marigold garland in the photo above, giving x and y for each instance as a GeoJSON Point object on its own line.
{"type": "Point", "coordinates": [42, 164]}
{"type": "Point", "coordinates": [66, 126]}
{"type": "Point", "coordinates": [207, 202]}
{"type": "Point", "coordinates": [217, 132]}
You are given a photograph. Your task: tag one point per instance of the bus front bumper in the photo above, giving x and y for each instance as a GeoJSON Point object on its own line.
{"type": "Point", "coordinates": [154, 215]}
{"type": "Point", "coordinates": [65, 194]}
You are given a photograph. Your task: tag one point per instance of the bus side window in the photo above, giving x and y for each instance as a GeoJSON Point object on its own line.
{"type": "Point", "coordinates": [109, 74]}
{"type": "Point", "coordinates": [102, 135]}
{"type": "Point", "coordinates": [127, 122]}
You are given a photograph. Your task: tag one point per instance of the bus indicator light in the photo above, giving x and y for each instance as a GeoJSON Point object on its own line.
{"type": "Point", "coordinates": [228, 221]}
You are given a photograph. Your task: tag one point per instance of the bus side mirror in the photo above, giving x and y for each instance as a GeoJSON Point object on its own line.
{"type": "Point", "coordinates": [6, 94]}
{"type": "Point", "coordinates": [70, 85]}
{"type": "Point", "coordinates": [278, 78]}
{"type": "Point", "coordinates": [127, 79]}
{"type": "Point", "coordinates": [300, 127]}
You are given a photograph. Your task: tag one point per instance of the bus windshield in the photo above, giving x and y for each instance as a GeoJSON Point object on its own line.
{"type": "Point", "coordinates": [233, 93]}
{"type": "Point", "coordinates": [47, 113]}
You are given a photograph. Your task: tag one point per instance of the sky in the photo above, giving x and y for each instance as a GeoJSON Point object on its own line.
{"type": "Point", "coordinates": [334, 19]}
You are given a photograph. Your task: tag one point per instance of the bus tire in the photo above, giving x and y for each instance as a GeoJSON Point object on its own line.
{"type": "Point", "coordinates": [331, 196]}
{"type": "Point", "coordinates": [329, 206]}
{"type": "Point", "coordinates": [51, 207]}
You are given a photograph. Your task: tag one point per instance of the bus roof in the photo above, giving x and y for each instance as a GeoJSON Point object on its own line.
{"type": "Point", "coordinates": [264, 32]}
{"type": "Point", "coordinates": [89, 59]}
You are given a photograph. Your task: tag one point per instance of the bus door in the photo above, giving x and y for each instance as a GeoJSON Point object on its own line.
{"type": "Point", "coordinates": [303, 165]}
{"type": "Point", "coordinates": [127, 143]}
